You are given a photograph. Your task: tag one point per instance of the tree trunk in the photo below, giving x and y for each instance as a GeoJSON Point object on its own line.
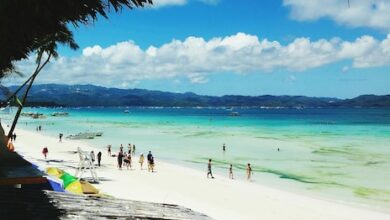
{"type": "Point", "coordinates": [37, 70]}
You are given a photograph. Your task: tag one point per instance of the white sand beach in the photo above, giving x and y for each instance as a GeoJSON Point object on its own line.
{"type": "Point", "coordinates": [219, 198]}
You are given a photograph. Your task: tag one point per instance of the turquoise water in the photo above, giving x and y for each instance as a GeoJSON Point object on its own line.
{"type": "Point", "coordinates": [338, 154]}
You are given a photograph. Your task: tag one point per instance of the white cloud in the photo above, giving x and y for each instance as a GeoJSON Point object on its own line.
{"type": "Point", "coordinates": [361, 13]}
{"type": "Point", "coordinates": [345, 69]}
{"type": "Point", "coordinates": [197, 79]}
{"type": "Point", "coordinates": [291, 78]}
{"type": "Point", "coordinates": [164, 3]}
{"type": "Point", "coordinates": [195, 58]}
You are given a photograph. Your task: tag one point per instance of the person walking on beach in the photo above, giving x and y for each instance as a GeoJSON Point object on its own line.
{"type": "Point", "coordinates": [129, 147]}
{"type": "Point", "coordinates": [99, 157]}
{"type": "Point", "coordinates": [126, 160]}
{"type": "Point", "coordinates": [152, 163]}
{"type": "Point", "coordinates": [223, 147]}
{"type": "Point", "coordinates": [149, 157]}
{"type": "Point", "coordinates": [45, 151]}
{"type": "Point", "coordinates": [120, 159]}
{"type": "Point", "coordinates": [60, 136]}
{"type": "Point", "coordinates": [141, 160]}
{"type": "Point", "coordinates": [14, 136]}
{"type": "Point", "coordinates": [248, 171]}
{"type": "Point", "coordinates": [109, 150]}
{"type": "Point", "coordinates": [209, 173]}
{"type": "Point", "coordinates": [121, 148]}
{"type": "Point", "coordinates": [231, 172]}
{"type": "Point", "coordinates": [92, 155]}
{"type": "Point", "coordinates": [133, 149]}
{"type": "Point", "coordinates": [129, 158]}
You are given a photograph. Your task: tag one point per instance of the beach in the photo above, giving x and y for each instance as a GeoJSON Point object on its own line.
{"type": "Point", "coordinates": [220, 198]}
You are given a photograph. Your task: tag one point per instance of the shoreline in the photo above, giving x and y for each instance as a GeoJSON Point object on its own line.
{"type": "Point", "coordinates": [220, 198]}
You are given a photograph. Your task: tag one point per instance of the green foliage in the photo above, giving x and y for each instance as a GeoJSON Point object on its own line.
{"type": "Point", "coordinates": [39, 25]}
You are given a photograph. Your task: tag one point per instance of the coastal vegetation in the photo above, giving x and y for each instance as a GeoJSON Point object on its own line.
{"type": "Point", "coordinates": [90, 95]}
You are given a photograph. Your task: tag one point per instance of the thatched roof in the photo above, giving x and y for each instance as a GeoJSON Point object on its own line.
{"type": "Point", "coordinates": [43, 204]}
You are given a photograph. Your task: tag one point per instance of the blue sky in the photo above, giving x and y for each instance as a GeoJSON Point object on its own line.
{"type": "Point", "coordinates": [248, 47]}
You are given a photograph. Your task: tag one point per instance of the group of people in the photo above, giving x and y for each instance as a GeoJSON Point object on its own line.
{"type": "Point", "coordinates": [38, 128]}
{"type": "Point", "coordinates": [13, 137]}
{"type": "Point", "coordinates": [93, 158]}
{"type": "Point", "coordinates": [126, 158]}
{"type": "Point", "coordinates": [248, 171]}
{"type": "Point", "coordinates": [131, 149]}
{"type": "Point", "coordinates": [248, 168]}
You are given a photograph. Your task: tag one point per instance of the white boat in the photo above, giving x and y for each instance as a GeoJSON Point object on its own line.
{"type": "Point", "coordinates": [60, 114]}
{"type": "Point", "coordinates": [85, 135]}
{"type": "Point", "coordinates": [33, 115]}
{"type": "Point", "coordinates": [80, 136]}
{"type": "Point", "coordinates": [96, 134]}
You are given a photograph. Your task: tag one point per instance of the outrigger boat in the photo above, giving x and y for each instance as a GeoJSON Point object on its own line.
{"type": "Point", "coordinates": [55, 114]}
{"type": "Point", "coordinates": [85, 135]}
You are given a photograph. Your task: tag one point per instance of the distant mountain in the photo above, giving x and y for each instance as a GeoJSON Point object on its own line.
{"type": "Point", "coordinates": [90, 95]}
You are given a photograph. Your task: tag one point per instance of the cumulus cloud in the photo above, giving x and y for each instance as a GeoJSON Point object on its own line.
{"type": "Point", "coordinates": [195, 58]}
{"type": "Point", "coordinates": [361, 13]}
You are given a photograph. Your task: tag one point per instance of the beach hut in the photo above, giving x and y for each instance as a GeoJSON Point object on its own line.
{"type": "Point", "coordinates": [15, 171]}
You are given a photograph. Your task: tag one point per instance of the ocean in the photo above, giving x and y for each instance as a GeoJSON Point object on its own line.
{"type": "Point", "coordinates": [335, 154]}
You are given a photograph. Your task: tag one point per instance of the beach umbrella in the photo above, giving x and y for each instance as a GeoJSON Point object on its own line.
{"type": "Point", "coordinates": [88, 188]}
{"type": "Point", "coordinates": [53, 171]}
{"type": "Point", "coordinates": [67, 179]}
{"type": "Point", "coordinates": [74, 187]}
{"type": "Point", "coordinates": [55, 184]}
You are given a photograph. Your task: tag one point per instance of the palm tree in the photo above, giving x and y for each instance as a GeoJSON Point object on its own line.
{"type": "Point", "coordinates": [48, 47]}
{"type": "Point", "coordinates": [39, 26]}
{"type": "Point", "coordinates": [24, 24]}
